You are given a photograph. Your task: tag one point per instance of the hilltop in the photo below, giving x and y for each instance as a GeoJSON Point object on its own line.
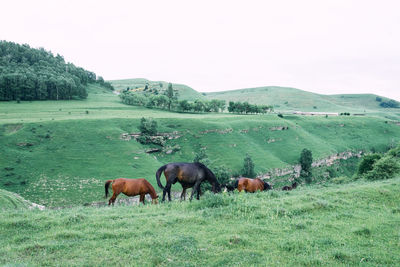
{"type": "Point", "coordinates": [184, 91]}
{"type": "Point", "coordinates": [292, 99]}
{"type": "Point", "coordinates": [283, 99]}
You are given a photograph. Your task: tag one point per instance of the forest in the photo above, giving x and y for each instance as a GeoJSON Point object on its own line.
{"type": "Point", "coordinates": [36, 74]}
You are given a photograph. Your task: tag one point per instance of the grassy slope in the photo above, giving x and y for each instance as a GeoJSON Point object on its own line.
{"type": "Point", "coordinates": [9, 200]}
{"type": "Point", "coordinates": [337, 225]}
{"type": "Point", "coordinates": [73, 152]}
{"type": "Point", "coordinates": [185, 92]}
{"type": "Point", "coordinates": [291, 99]}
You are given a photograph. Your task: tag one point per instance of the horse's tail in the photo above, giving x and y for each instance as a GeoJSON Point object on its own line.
{"type": "Point", "coordinates": [106, 185]}
{"type": "Point", "coordinates": [158, 174]}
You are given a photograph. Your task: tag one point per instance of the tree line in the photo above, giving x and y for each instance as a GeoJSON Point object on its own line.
{"type": "Point", "coordinates": [36, 74]}
{"type": "Point", "coordinates": [247, 108]}
{"type": "Point", "coordinates": [169, 100]}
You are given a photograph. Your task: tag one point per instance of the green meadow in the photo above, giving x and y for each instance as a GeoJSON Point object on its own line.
{"type": "Point", "coordinates": [319, 225]}
{"type": "Point", "coordinates": [59, 153]}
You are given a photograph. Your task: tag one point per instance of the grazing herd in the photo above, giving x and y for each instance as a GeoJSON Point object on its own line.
{"type": "Point", "coordinates": [188, 175]}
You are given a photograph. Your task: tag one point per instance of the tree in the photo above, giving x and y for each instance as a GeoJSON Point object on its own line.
{"type": "Point", "coordinates": [248, 167]}
{"type": "Point", "coordinates": [148, 126]}
{"type": "Point", "coordinates": [367, 163]}
{"type": "Point", "coordinates": [305, 163]}
{"type": "Point", "coordinates": [171, 94]}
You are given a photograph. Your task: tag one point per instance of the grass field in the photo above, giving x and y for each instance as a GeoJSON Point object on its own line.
{"type": "Point", "coordinates": [59, 153]}
{"type": "Point", "coordinates": [331, 225]}
{"type": "Point", "coordinates": [287, 99]}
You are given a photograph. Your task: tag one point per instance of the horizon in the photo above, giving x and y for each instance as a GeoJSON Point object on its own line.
{"type": "Point", "coordinates": [334, 47]}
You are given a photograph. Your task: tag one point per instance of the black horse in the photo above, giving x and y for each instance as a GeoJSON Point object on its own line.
{"type": "Point", "coordinates": [188, 175]}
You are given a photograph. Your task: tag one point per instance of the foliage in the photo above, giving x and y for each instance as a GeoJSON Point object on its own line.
{"type": "Point", "coordinates": [245, 107]}
{"type": "Point", "coordinates": [148, 126]}
{"type": "Point", "coordinates": [36, 74]}
{"type": "Point", "coordinates": [305, 163]}
{"type": "Point", "coordinates": [389, 104]}
{"type": "Point", "coordinates": [367, 163]}
{"type": "Point", "coordinates": [384, 168]}
{"type": "Point", "coordinates": [151, 100]}
{"type": "Point", "coordinates": [248, 167]}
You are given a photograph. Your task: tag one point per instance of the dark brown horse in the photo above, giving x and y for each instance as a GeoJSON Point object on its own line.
{"type": "Point", "coordinates": [288, 188]}
{"type": "Point", "coordinates": [131, 187]}
{"type": "Point", "coordinates": [251, 185]}
{"type": "Point", "coordinates": [188, 175]}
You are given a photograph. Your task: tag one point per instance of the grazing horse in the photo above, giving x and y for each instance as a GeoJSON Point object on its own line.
{"type": "Point", "coordinates": [251, 185]}
{"type": "Point", "coordinates": [131, 187]}
{"type": "Point", "coordinates": [288, 188]}
{"type": "Point", "coordinates": [188, 175]}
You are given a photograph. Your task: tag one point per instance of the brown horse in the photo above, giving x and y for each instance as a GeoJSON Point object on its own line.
{"type": "Point", "coordinates": [288, 188]}
{"type": "Point", "coordinates": [131, 187]}
{"type": "Point", "coordinates": [188, 175]}
{"type": "Point", "coordinates": [251, 185]}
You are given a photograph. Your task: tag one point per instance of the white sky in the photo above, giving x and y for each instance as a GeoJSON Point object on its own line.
{"type": "Point", "coordinates": [323, 46]}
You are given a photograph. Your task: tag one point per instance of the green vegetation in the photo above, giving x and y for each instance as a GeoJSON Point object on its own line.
{"type": "Point", "coordinates": [9, 200]}
{"type": "Point", "coordinates": [285, 99]}
{"type": "Point", "coordinates": [156, 87]}
{"type": "Point", "coordinates": [60, 155]}
{"type": "Point", "coordinates": [36, 74]}
{"type": "Point", "coordinates": [245, 107]}
{"type": "Point", "coordinates": [248, 167]}
{"type": "Point", "coordinates": [334, 225]}
{"type": "Point", "coordinates": [305, 163]}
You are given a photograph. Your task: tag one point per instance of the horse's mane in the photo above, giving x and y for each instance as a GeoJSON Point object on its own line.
{"type": "Point", "coordinates": [210, 175]}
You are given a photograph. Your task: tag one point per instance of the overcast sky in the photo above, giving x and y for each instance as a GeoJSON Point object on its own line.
{"type": "Point", "coordinates": [328, 47]}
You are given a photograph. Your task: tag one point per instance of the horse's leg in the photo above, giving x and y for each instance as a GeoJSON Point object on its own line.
{"type": "Point", "coordinates": [196, 188]}
{"type": "Point", "coordinates": [141, 198]}
{"type": "Point", "coordinates": [113, 198]}
{"type": "Point", "coordinates": [183, 195]}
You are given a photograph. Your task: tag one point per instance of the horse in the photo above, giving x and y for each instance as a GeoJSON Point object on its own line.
{"type": "Point", "coordinates": [288, 188]}
{"type": "Point", "coordinates": [188, 175]}
{"type": "Point", "coordinates": [251, 185]}
{"type": "Point", "coordinates": [131, 187]}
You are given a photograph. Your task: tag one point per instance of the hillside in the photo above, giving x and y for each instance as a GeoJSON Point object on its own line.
{"type": "Point", "coordinates": [184, 91]}
{"type": "Point", "coordinates": [59, 153]}
{"type": "Point", "coordinates": [36, 74]}
{"type": "Point", "coordinates": [12, 201]}
{"type": "Point", "coordinates": [291, 99]}
{"type": "Point", "coordinates": [331, 225]}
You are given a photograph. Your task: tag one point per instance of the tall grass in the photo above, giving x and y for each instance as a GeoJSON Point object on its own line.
{"type": "Point", "coordinates": [318, 225]}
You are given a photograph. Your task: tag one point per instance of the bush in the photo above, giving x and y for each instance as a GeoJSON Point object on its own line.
{"type": "Point", "coordinates": [248, 167]}
{"type": "Point", "coordinates": [367, 163]}
{"type": "Point", "coordinates": [385, 168]}
{"type": "Point", "coordinates": [148, 126]}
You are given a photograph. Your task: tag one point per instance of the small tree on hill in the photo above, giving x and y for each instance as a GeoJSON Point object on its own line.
{"type": "Point", "coordinates": [171, 94]}
{"type": "Point", "coordinates": [248, 167]}
{"type": "Point", "coordinates": [148, 126]}
{"type": "Point", "coordinates": [305, 163]}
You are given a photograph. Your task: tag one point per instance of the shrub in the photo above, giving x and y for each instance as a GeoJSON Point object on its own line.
{"type": "Point", "coordinates": [248, 167]}
{"type": "Point", "coordinates": [385, 168]}
{"type": "Point", "coordinates": [148, 126]}
{"type": "Point", "coordinates": [305, 163]}
{"type": "Point", "coordinates": [367, 163]}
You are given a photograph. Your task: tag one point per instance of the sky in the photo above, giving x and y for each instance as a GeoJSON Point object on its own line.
{"type": "Point", "coordinates": [322, 46]}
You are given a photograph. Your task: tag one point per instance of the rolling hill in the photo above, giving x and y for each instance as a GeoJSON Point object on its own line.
{"type": "Point", "coordinates": [59, 153]}
{"type": "Point", "coordinates": [292, 99]}
{"type": "Point", "coordinates": [184, 91]}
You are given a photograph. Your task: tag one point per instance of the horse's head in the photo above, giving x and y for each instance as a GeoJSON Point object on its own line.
{"type": "Point", "coordinates": [294, 185]}
{"type": "Point", "coordinates": [216, 188]}
{"type": "Point", "coordinates": [266, 186]}
{"type": "Point", "coordinates": [229, 187]}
